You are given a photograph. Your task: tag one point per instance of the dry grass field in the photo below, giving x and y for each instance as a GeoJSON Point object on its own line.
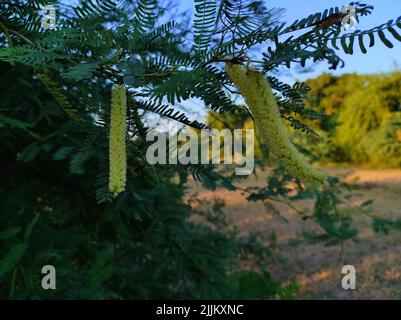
{"type": "Point", "coordinates": [377, 258]}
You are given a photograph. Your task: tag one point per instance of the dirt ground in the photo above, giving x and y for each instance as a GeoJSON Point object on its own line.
{"type": "Point", "coordinates": [376, 258]}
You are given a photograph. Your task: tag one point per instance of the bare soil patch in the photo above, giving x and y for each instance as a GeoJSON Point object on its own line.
{"type": "Point", "coordinates": [377, 258]}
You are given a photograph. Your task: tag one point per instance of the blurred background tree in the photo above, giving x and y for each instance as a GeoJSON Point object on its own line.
{"type": "Point", "coordinates": [363, 126]}
{"type": "Point", "coordinates": [365, 117]}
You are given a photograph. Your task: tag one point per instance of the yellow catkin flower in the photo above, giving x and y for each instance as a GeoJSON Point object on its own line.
{"type": "Point", "coordinates": [117, 147]}
{"type": "Point", "coordinates": [258, 95]}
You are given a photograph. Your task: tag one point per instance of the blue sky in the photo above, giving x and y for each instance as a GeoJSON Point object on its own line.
{"type": "Point", "coordinates": [379, 59]}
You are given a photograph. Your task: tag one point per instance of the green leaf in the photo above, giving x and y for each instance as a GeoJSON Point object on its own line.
{"type": "Point", "coordinates": [344, 44]}
{"type": "Point", "coordinates": [16, 124]}
{"type": "Point", "coordinates": [94, 7]}
{"type": "Point", "coordinates": [394, 33]}
{"type": "Point", "coordinates": [383, 38]}
{"type": "Point", "coordinates": [12, 258]}
{"type": "Point", "coordinates": [62, 153]}
{"type": "Point", "coordinates": [30, 226]}
{"type": "Point", "coordinates": [80, 71]}
{"type": "Point", "coordinates": [334, 43]}
{"type": "Point", "coordinates": [367, 203]}
{"type": "Point", "coordinates": [205, 17]}
{"type": "Point", "coordinates": [145, 15]}
{"type": "Point", "coordinates": [9, 233]}
{"type": "Point", "coordinates": [351, 44]}
{"type": "Point", "coordinates": [371, 39]}
{"type": "Point", "coordinates": [361, 44]}
{"type": "Point", "coordinates": [384, 226]}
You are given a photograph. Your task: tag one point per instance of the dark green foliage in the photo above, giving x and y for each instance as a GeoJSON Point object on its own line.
{"type": "Point", "coordinates": [384, 226]}
{"type": "Point", "coordinates": [145, 15]}
{"type": "Point", "coordinates": [205, 17]}
{"type": "Point", "coordinates": [250, 285]}
{"type": "Point", "coordinates": [130, 249]}
{"type": "Point", "coordinates": [383, 146]}
{"type": "Point", "coordinates": [380, 31]}
{"type": "Point", "coordinates": [94, 7]}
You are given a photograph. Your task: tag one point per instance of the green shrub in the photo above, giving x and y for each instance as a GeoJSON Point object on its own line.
{"type": "Point", "coordinates": [383, 146]}
{"type": "Point", "coordinates": [361, 109]}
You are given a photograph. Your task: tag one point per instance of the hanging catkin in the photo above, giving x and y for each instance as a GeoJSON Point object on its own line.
{"type": "Point", "coordinates": [117, 148]}
{"type": "Point", "coordinates": [258, 95]}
